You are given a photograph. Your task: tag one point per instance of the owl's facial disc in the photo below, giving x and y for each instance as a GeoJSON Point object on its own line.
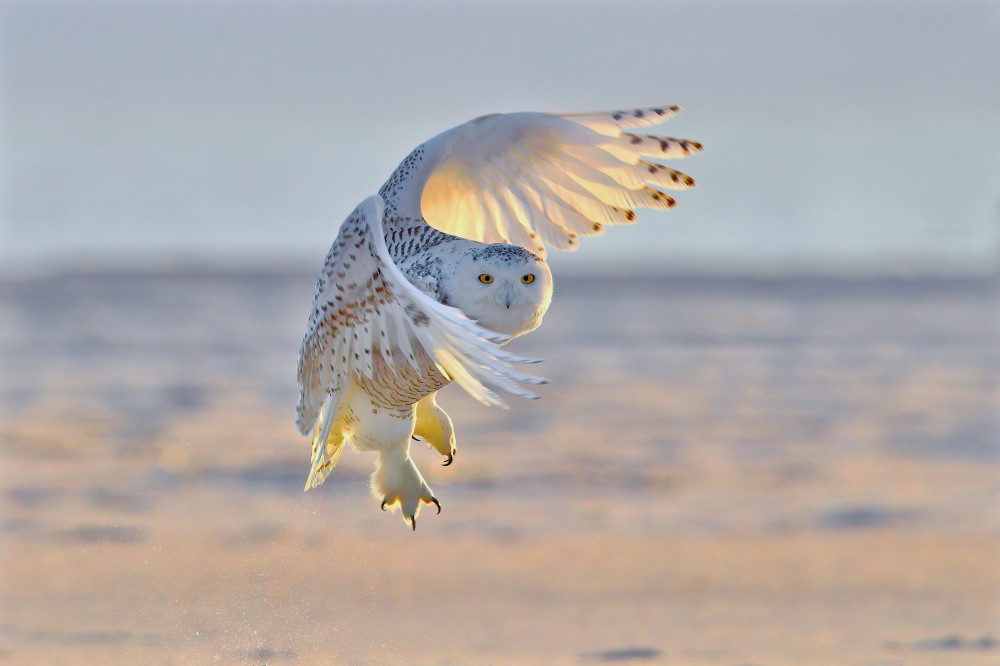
{"type": "Point", "coordinates": [504, 287]}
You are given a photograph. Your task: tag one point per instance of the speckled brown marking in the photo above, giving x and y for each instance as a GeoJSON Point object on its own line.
{"type": "Point", "coordinates": [398, 388]}
{"type": "Point", "coordinates": [630, 215]}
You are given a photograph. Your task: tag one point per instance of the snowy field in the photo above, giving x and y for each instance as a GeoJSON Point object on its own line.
{"type": "Point", "coordinates": [752, 472]}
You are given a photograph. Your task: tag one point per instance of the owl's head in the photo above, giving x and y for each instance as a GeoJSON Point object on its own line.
{"type": "Point", "coordinates": [504, 287]}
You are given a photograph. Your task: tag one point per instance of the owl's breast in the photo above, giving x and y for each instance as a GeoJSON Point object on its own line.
{"type": "Point", "coordinates": [401, 386]}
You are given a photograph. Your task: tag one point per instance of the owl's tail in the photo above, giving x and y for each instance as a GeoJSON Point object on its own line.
{"type": "Point", "coordinates": [327, 444]}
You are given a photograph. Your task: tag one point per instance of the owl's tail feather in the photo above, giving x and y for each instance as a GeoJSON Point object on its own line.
{"type": "Point", "coordinates": [327, 444]}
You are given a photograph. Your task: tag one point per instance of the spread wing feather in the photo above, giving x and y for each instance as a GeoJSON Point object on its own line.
{"type": "Point", "coordinates": [545, 179]}
{"type": "Point", "coordinates": [609, 122]}
{"type": "Point", "coordinates": [364, 306]}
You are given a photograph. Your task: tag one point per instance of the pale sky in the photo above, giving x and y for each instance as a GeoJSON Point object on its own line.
{"type": "Point", "coordinates": [838, 134]}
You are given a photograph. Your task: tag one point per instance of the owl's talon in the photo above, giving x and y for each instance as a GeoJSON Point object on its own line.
{"type": "Point", "coordinates": [400, 484]}
{"type": "Point", "coordinates": [448, 460]}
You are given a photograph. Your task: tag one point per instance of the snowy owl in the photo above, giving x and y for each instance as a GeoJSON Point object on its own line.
{"type": "Point", "coordinates": [428, 278]}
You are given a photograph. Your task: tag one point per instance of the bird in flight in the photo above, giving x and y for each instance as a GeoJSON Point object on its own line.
{"type": "Point", "coordinates": [430, 277]}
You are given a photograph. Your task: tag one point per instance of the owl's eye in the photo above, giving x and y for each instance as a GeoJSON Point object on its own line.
{"type": "Point", "coordinates": [486, 278]}
{"type": "Point", "coordinates": [528, 279]}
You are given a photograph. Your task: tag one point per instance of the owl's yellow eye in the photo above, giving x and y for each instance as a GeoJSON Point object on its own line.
{"type": "Point", "coordinates": [528, 279]}
{"type": "Point", "coordinates": [486, 278]}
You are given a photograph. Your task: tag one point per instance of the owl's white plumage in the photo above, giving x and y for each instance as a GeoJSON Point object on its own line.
{"type": "Point", "coordinates": [427, 279]}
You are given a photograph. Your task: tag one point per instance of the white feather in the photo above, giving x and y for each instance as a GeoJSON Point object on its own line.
{"type": "Point", "coordinates": [555, 176]}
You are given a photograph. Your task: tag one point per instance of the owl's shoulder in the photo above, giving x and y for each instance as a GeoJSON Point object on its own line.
{"type": "Point", "coordinates": [422, 253]}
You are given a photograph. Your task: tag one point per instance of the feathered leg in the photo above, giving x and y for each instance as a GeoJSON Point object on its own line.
{"type": "Point", "coordinates": [396, 480]}
{"type": "Point", "coordinates": [435, 427]}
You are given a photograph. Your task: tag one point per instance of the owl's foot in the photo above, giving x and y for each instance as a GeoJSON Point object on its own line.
{"type": "Point", "coordinates": [434, 427]}
{"type": "Point", "coordinates": [449, 457]}
{"type": "Point", "coordinates": [398, 482]}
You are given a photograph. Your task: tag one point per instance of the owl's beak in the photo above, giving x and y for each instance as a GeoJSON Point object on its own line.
{"type": "Point", "coordinates": [506, 295]}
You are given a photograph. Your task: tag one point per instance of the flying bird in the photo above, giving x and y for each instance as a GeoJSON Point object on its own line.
{"type": "Point", "coordinates": [430, 277]}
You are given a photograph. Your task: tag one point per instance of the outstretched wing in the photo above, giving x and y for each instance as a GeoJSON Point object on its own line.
{"type": "Point", "coordinates": [364, 307]}
{"type": "Point", "coordinates": [537, 179]}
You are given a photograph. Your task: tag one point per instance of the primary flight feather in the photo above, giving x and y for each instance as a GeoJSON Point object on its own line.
{"type": "Point", "coordinates": [428, 278]}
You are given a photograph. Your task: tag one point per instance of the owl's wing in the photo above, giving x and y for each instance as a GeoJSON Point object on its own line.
{"type": "Point", "coordinates": [364, 306]}
{"type": "Point", "coordinates": [537, 179]}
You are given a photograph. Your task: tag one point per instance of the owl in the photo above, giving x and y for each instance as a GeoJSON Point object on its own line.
{"type": "Point", "coordinates": [428, 279]}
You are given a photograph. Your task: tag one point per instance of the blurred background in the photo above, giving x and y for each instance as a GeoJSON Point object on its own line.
{"type": "Point", "coordinates": [773, 431]}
